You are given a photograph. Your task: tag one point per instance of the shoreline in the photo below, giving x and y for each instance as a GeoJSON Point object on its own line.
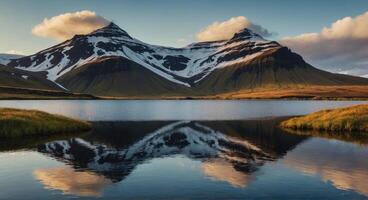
{"type": "Point", "coordinates": [191, 98]}
{"type": "Point", "coordinates": [331, 93]}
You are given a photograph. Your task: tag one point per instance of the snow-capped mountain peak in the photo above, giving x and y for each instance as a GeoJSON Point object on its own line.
{"type": "Point", "coordinates": [246, 34]}
{"type": "Point", "coordinates": [184, 66]}
{"type": "Point", "coordinates": [111, 30]}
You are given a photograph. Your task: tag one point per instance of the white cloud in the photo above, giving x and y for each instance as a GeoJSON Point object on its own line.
{"type": "Point", "coordinates": [15, 52]}
{"type": "Point", "coordinates": [186, 40]}
{"type": "Point", "coordinates": [226, 29]}
{"type": "Point", "coordinates": [65, 26]}
{"type": "Point", "coordinates": [341, 47]}
{"type": "Point", "coordinates": [182, 40]}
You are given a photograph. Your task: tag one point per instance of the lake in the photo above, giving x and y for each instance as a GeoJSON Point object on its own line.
{"type": "Point", "coordinates": [198, 149]}
{"type": "Point", "coordinates": [146, 110]}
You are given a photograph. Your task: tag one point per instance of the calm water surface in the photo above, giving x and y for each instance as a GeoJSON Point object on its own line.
{"type": "Point", "coordinates": [146, 110]}
{"type": "Point", "coordinates": [183, 150]}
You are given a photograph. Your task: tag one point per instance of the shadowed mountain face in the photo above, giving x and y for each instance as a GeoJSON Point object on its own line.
{"type": "Point", "coordinates": [105, 76]}
{"type": "Point", "coordinates": [115, 149]}
{"type": "Point", "coordinates": [110, 62]}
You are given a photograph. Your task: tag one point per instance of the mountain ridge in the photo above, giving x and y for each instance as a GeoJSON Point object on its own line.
{"type": "Point", "coordinates": [166, 61]}
{"type": "Point", "coordinates": [110, 62]}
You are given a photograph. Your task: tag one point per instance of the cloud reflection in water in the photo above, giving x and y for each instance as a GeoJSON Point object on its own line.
{"type": "Point", "coordinates": [70, 181]}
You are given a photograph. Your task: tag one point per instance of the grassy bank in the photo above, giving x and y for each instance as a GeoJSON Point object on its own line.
{"type": "Point", "coordinates": [16, 123]}
{"type": "Point", "coordinates": [348, 92]}
{"type": "Point", "coordinates": [349, 119]}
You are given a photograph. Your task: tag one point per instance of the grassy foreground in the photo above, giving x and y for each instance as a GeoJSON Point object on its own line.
{"type": "Point", "coordinates": [17, 122]}
{"type": "Point", "coordinates": [349, 119]}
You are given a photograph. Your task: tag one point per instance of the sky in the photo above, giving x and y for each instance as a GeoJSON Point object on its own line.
{"type": "Point", "coordinates": [177, 23]}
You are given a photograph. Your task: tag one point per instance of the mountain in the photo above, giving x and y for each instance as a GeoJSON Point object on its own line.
{"type": "Point", "coordinates": [6, 58]}
{"type": "Point", "coordinates": [109, 62]}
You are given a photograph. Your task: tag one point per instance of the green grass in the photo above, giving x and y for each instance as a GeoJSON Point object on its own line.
{"type": "Point", "coordinates": [349, 119]}
{"type": "Point", "coordinates": [19, 123]}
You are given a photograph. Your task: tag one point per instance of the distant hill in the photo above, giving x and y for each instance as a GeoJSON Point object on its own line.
{"type": "Point", "coordinates": [6, 58]}
{"type": "Point", "coordinates": [12, 77]}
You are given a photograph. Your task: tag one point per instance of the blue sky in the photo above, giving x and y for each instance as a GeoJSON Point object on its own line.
{"type": "Point", "coordinates": [164, 22]}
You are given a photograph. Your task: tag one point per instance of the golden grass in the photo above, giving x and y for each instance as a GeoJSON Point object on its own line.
{"type": "Point", "coordinates": [349, 119]}
{"type": "Point", "coordinates": [303, 92]}
{"type": "Point", "coordinates": [17, 122]}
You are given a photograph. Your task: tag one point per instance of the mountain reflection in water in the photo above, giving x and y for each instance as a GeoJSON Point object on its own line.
{"type": "Point", "coordinates": [230, 151]}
